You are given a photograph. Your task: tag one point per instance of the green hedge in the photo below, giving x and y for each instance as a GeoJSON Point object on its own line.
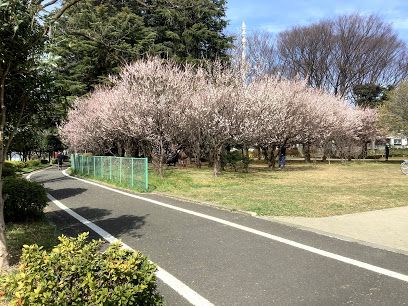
{"type": "Point", "coordinates": [25, 200]}
{"type": "Point", "coordinates": [76, 272]}
{"type": "Point", "coordinates": [11, 167]}
{"type": "Point", "coordinates": [394, 152]}
{"type": "Point", "coordinates": [18, 165]}
{"type": "Point", "coordinates": [8, 170]}
{"type": "Point", "coordinates": [33, 163]}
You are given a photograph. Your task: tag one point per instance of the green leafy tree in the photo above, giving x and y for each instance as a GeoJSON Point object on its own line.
{"type": "Point", "coordinates": [394, 113]}
{"type": "Point", "coordinates": [95, 40]}
{"type": "Point", "coordinates": [370, 95]}
{"type": "Point", "coordinates": [189, 30]}
{"type": "Point", "coordinates": [23, 25]}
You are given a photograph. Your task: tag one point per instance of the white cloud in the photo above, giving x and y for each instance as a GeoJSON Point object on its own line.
{"type": "Point", "coordinates": [273, 28]}
{"type": "Point", "coordinates": [400, 24]}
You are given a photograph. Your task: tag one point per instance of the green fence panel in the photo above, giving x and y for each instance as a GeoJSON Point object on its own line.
{"type": "Point", "coordinates": [127, 171]}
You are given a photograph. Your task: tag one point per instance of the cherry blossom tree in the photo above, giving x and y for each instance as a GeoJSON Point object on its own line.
{"type": "Point", "coordinates": [205, 109]}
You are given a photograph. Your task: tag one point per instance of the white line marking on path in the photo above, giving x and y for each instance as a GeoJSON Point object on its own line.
{"type": "Point", "coordinates": [28, 177]}
{"type": "Point", "coordinates": [178, 286]}
{"type": "Point", "coordinates": [295, 244]}
{"type": "Point", "coordinates": [189, 294]}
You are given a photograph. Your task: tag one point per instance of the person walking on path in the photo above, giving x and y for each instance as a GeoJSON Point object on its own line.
{"type": "Point", "coordinates": [60, 158]}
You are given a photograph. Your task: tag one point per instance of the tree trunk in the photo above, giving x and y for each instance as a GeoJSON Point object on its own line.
{"type": "Point", "coordinates": [326, 151]}
{"type": "Point", "coordinates": [161, 157]}
{"type": "Point", "coordinates": [4, 264]}
{"type": "Point", "coordinates": [306, 150]}
{"type": "Point", "coordinates": [257, 153]}
{"type": "Point", "coordinates": [158, 156]}
{"type": "Point", "coordinates": [263, 153]}
{"type": "Point", "coordinates": [120, 149]}
{"type": "Point", "coordinates": [197, 154]}
{"type": "Point", "coordinates": [364, 150]}
{"type": "Point", "coordinates": [271, 156]}
{"type": "Point", "coordinates": [131, 147]}
{"type": "Point", "coordinates": [245, 158]}
{"type": "Point", "coordinates": [217, 160]}
{"type": "Point", "coordinates": [198, 161]}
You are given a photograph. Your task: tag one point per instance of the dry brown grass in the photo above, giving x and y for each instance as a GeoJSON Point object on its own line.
{"type": "Point", "coordinates": [300, 190]}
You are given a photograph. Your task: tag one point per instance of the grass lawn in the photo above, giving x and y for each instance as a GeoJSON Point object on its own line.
{"type": "Point", "coordinates": [39, 232]}
{"type": "Point", "coordinates": [314, 190]}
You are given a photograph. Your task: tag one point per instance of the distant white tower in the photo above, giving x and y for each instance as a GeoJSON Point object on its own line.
{"type": "Point", "coordinates": [243, 51]}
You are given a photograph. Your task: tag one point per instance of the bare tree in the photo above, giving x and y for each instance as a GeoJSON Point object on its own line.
{"type": "Point", "coordinates": [338, 54]}
{"type": "Point", "coordinates": [261, 54]}
{"type": "Point", "coordinates": [306, 52]}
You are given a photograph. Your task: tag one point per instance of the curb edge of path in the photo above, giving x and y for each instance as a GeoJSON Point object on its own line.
{"type": "Point", "coordinates": [334, 235]}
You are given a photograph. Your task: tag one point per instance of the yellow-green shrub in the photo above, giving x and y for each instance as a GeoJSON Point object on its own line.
{"type": "Point", "coordinates": [18, 165]}
{"type": "Point", "coordinates": [33, 163]}
{"type": "Point", "coordinates": [76, 272]}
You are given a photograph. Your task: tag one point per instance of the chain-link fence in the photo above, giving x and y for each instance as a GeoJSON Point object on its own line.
{"type": "Point", "coordinates": [129, 172]}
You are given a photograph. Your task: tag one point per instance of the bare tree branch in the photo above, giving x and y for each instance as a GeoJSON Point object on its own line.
{"type": "Point", "coordinates": [43, 6]}
{"type": "Point", "coordinates": [64, 8]}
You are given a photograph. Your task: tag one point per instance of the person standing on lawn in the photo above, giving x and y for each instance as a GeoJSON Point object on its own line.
{"type": "Point", "coordinates": [387, 150]}
{"type": "Point", "coordinates": [282, 156]}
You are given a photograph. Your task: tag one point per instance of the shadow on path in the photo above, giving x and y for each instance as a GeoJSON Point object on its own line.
{"type": "Point", "coordinates": [125, 224]}
{"type": "Point", "coordinates": [65, 193]}
{"type": "Point", "coordinates": [43, 180]}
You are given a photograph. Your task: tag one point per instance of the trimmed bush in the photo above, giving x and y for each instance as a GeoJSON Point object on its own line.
{"type": "Point", "coordinates": [25, 200]}
{"type": "Point", "coordinates": [44, 161]}
{"type": "Point", "coordinates": [8, 170]}
{"type": "Point", "coordinates": [398, 152]}
{"type": "Point", "coordinates": [11, 167]}
{"type": "Point", "coordinates": [33, 163]}
{"type": "Point", "coordinates": [76, 272]}
{"type": "Point", "coordinates": [18, 165]}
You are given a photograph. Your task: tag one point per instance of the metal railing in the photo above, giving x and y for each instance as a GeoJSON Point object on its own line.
{"type": "Point", "coordinates": [126, 171]}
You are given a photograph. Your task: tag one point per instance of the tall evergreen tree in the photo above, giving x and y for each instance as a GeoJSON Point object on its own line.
{"type": "Point", "coordinates": [189, 30]}
{"type": "Point", "coordinates": [99, 36]}
{"type": "Point", "coordinates": [93, 41]}
{"type": "Point", "coordinates": [370, 95]}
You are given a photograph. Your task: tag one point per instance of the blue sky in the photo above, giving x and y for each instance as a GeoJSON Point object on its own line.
{"type": "Point", "coordinates": [277, 15]}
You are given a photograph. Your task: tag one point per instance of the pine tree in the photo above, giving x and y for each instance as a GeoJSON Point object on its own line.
{"type": "Point", "coordinates": [99, 36]}
{"type": "Point", "coordinates": [93, 41]}
{"type": "Point", "coordinates": [189, 30]}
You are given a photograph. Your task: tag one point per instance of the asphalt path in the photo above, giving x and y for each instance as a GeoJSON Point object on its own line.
{"type": "Point", "coordinates": [236, 261]}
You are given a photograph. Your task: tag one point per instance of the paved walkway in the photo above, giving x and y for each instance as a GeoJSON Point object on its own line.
{"type": "Point", "coordinates": [386, 228]}
{"type": "Point", "coordinates": [230, 258]}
